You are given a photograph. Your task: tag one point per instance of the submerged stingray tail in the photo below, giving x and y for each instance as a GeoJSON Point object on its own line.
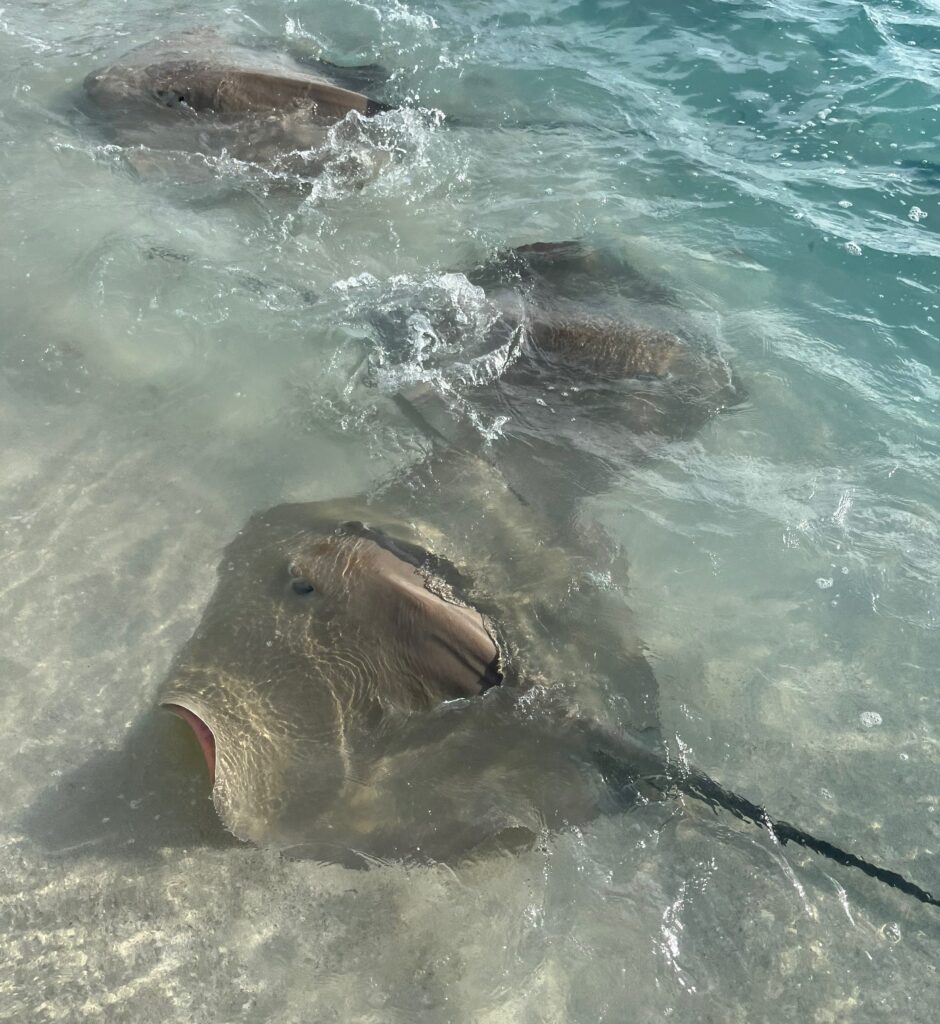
{"type": "Point", "coordinates": [629, 765]}
{"type": "Point", "coordinates": [701, 787]}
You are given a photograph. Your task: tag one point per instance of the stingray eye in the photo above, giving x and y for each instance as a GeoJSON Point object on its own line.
{"type": "Point", "coordinates": [299, 583]}
{"type": "Point", "coordinates": [172, 97]}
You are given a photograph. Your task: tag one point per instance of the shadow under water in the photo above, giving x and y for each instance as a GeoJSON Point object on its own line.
{"type": "Point", "coordinates": [152, 792]}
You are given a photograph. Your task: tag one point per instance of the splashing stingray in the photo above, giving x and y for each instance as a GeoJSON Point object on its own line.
{"type": "Point", "coordinates": [196, 92]}
{"type": "Point", "coordinates": [587, 364]}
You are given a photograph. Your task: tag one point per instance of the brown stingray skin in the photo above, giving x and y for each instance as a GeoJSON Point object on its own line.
{"type": "Point", "coordinates": [205, 86]}
{"type": "Point", "coordinates": [196, 95]}
{"type": "Point", "coordinates": [349, 678]}
{"type": "Point", "coordinates": [609, 345]}
{"type": "Point", "coordinates": [201, 72]}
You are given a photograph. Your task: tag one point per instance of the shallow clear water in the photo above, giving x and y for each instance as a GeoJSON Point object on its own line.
{"type": "Point", "coordinates": [182, 345]}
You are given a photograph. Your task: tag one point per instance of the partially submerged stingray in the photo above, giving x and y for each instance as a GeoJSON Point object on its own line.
{"type": "Point", "coordinates": [196, 92]}
{"type": "Point", "coordinates": [556, 291]}
{"type": "Point", "coordinates": [360, 695]}
{"type": "Point", "coordinates": [335, 680]}
{"type": "Point", "coordinates": [584, 362]}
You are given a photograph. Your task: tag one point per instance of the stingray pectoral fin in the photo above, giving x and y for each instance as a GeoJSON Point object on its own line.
{"type": "Point", "coordinates": [222, 80]}
{"type": "Point", "coordinates": [358, 77]}
{"type": "Point", "coordinates": [243, 91]}
{"type": "Point", "coordinates": [202, 732]}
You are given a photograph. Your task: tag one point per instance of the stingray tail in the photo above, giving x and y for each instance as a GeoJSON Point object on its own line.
{"type": "Point", "coordinates": [630, 766]}
{"type": "Point", "coordinates": [701, 787]}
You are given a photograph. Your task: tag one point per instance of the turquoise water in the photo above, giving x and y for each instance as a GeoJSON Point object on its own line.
{"type": "Point", "coordinates": [181, 345]}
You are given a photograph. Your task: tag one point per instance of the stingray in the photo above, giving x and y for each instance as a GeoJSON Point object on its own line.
{"type": "Point", "coordinates": [362, 693]}
{"type": "Point", "coordinates": [338, 768]}
{"type": "Point", "coordinates": [196, 92]}
{"type": "Point", "coordinates": [586, 364]}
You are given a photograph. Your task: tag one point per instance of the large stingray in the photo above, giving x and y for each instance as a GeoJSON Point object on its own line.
{"type": "Point", "coordinates": [194, 91]}
{"type": "Point", "coordinates": [361, 693]}
{"type": "Point", "coordinates": [333, 665]}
